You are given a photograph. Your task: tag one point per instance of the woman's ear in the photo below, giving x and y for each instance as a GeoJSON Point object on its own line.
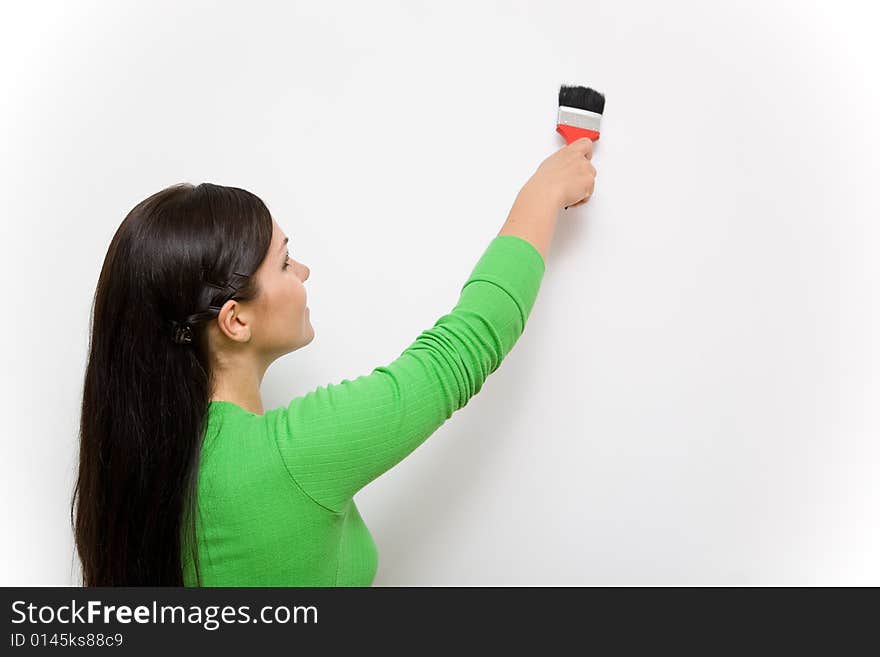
{"type": "Point", "coordinates": [233, 322]}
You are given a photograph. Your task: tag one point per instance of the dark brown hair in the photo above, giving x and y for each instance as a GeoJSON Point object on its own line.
{"type": "Point", "coordinates": [178, 256]}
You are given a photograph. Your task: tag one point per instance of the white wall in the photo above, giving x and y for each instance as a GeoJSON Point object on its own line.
{"type": "Point", "coordinates": [694, 399]}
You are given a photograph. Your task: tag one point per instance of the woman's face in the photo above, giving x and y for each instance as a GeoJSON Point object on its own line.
{"type": "Point", "coordinates": [277, 321]}
{"type": "Point", "coordinates": [280, 313]}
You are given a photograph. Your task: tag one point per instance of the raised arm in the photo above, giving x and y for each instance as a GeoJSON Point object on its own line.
{"type": "Point", "coordinates": [338, 438]}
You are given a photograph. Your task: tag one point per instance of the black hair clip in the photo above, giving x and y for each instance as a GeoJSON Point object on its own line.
{"type": "Point", "coordinates": [182, 332]}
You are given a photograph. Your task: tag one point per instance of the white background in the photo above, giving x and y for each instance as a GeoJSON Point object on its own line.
{"type": "Point", "coordinates": [694, 400]}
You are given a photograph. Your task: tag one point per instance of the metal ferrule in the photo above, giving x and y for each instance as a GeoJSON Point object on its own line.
{"type": "Point", "coordinates": [578, 118]}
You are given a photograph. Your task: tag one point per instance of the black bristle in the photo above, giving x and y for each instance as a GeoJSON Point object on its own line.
{"type": "Point", "coordinates": [583, 98]}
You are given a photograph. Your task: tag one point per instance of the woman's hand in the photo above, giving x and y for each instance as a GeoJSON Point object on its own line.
{"type": "Point", "coordinates": [567, 175]}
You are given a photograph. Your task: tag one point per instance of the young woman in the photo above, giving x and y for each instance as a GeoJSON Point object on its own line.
{"type": "Point", "coordinates": [184, 479]}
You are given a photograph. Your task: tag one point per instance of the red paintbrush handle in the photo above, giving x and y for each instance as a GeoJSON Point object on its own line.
{"type": "Point", "coordinates": [572, 133]}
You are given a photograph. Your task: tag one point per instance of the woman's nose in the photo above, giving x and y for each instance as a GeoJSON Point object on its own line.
{"type": "Point", "coordinates": [308, 271]}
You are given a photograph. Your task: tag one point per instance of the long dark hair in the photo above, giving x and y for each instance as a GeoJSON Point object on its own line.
{"type": "Point", "coordinates": [178, 256]}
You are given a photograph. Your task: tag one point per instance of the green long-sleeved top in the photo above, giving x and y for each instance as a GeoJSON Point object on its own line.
{"type": "Point", "coordinates": [275, 491]}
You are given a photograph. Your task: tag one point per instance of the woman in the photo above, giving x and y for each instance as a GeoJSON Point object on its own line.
{"type": "Point", "coordinates": [184, 479]}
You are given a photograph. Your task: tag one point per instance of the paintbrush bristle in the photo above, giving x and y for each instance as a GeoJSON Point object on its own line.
{"type": "Point", "coordinates": [583, 98]}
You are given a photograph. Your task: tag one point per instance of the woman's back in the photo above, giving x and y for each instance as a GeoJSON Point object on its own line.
{"type": "Point", "coordinates": [256, 526]}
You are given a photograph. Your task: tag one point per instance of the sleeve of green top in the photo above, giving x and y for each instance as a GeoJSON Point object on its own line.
{"type": "Point", "coordinates": [336, 439]}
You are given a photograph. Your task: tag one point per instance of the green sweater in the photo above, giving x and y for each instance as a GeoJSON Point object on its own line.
{"type": "Point", "coordinates": [276, 491]}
